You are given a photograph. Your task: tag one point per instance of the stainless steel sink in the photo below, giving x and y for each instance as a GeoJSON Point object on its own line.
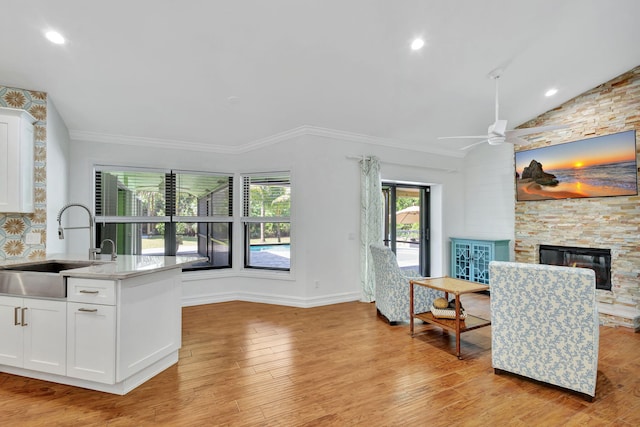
{"type": "Point", "coordinates": [38, 280]}
{"type": "Point", "coordinates": [51, 266]}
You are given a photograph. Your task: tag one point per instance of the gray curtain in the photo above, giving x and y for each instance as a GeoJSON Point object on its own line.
{"type": "Point", "coordinates": [370, 222]}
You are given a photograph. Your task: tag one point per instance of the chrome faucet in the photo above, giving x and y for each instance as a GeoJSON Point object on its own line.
{"type": "Point", "coordinates": [93, 251]}
{"type": "Point", "coordinates": [113, 248]}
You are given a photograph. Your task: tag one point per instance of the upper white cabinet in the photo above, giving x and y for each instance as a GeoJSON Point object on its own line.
{"type": "Point", "coordinates": [16, 161]}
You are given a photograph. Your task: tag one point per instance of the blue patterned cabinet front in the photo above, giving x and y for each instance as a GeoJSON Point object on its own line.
{"type": "Point", "coordinates": [470, 258]}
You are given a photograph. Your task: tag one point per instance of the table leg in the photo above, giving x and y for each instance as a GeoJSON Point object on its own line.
{"type": "Point", "coordinates": [411, 306]}
{"type": "Point", "coordinates": [458, 327]}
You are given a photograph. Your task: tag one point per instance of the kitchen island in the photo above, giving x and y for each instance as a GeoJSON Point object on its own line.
{"type": "Point", "coordinates": [118, 325]}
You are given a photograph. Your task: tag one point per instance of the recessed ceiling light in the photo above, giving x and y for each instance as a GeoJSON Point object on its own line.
{"type": "Point", "coordinates": [417, 44]}
{"type": "Point", "coordinates": [54, 37]}
{"type": "Point", "coordinates": [551, 92]}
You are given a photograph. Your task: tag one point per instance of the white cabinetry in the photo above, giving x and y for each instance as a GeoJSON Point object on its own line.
{"type": "Point", "coordinates": [111, 334]}
{"type": "Point", "coordinates": [16, 160]}
{"type": "Point", "coordinates": [121, 332]}
{"type": "Point", "coordinates": [33, 334]}
{"type": "Point", "coordinates": [91, 330]}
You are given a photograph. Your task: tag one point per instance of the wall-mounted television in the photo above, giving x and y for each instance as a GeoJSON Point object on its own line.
{"type": "Point", "coordinates": [595, 167]}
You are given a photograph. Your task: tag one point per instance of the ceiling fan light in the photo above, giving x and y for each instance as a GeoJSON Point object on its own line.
{"type": "Point", "coordinates": [417, 44]}
{"type": "Point", "coordinates": [54, 37]}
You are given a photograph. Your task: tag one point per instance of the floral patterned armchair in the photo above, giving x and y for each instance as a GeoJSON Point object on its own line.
{"type": "Point", "coordinates": [392, 288]}
{"type": "Point", "coordinates": [544, 324]}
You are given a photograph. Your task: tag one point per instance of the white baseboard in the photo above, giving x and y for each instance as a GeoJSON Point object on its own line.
{"type": "Point", "coordinates": [121, 388]}
{"type": "Point", "coordinates": [270, 299]}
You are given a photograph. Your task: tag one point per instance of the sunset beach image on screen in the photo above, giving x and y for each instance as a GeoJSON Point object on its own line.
{"type": "Point", "coordinates": [596, 167]}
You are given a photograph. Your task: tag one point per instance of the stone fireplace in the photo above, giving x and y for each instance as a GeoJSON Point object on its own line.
{"type": "Point", "coordinates": [598, 260]}
{"type": "Point", "coordinates": [599, 222]}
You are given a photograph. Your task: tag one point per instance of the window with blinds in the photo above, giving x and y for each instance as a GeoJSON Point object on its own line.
{"type": "Point", "coordinates": [266, 210]}
{"type": "Point", "coordinates": [165, 212]}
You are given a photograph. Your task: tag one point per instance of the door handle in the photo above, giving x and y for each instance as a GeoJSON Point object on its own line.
{"type": "Point", "coordinates": [22, 323]}
{"type": "Point", "coordinates": [83, 291]}
{"type": "Point", "coordinates": [15, 316]}
{"type": "Point", "coordinates": [88, 310]}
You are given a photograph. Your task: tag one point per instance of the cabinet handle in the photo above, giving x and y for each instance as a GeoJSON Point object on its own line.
{"type": "Point", "coordinates": [22, 323]}
{"type": "Point", "coordinates": [15, 316]}
{"type": "Point", "coordinates": [88, 310]}
{"type": "Point", "coordinates": [83, 291]}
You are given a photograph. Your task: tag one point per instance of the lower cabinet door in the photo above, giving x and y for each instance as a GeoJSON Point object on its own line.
{"type": "Point", "coordinates": [11, 332]}
{"type": "Point", "coordinates": [45, 334]}
{"type": "Point", "coordinates": [91, 342]}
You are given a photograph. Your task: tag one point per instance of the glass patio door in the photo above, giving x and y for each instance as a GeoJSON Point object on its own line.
{"type": "Point", "coordinates": [406, 225]}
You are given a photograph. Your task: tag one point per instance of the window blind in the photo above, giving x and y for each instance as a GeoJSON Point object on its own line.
{"type": "Point", "coordinates": [266, 196]}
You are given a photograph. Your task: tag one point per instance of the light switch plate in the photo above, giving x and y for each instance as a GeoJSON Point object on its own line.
{"type": "Point", "coordinates": [33, 238]}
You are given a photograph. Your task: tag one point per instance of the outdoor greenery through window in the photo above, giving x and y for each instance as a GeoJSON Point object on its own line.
{"type": "Point", "coordinates": [266, 218]}
{"type": "Point", "coordinates": [165, 212]}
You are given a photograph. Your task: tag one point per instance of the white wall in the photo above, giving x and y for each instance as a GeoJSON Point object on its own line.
{"type": "Point", "coordinates": [489, 193]}
{"type": "Point", "coordinates": [57, 174]}
{"type": "Point", "coordinates": [325, 211]}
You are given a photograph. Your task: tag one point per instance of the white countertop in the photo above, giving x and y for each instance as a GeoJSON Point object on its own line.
{"type": "Point", "coordinates": [123, 267]}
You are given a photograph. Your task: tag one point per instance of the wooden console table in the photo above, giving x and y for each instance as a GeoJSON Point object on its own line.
{"type": "Point", "coordinates": [456, 287]}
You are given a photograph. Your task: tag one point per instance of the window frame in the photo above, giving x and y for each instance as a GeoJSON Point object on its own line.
{"type": "Point", "coordinates": [171, 218]}
{"type": "Point", "coordinates": [246, 219]}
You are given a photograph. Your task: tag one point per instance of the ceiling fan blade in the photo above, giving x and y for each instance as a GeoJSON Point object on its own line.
{"type": "Point", "coordinates": [538, 129]}
{"type": "Point", "coordinates": [474, 144]}
{"type": "Point", "coordinates": [463, 137]}
{"type": "Point", "coordinates": [516, 140]}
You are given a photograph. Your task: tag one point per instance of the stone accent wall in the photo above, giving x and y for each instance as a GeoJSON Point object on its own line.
{"type": "Point", "coordinates": [605, 222]}
{"type": "Point", "coordinates": [14, 227]}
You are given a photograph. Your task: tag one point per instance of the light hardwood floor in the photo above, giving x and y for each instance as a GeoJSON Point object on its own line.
{"type": "Point", "coordinates": [248, 364]}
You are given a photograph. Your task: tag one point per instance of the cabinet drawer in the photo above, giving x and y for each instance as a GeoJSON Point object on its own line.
{"type": "Point", "coordinates": [93, 291]}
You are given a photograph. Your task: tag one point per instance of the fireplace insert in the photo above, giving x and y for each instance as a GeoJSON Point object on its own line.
{"type": "Point", "coordinates": [599, 260]}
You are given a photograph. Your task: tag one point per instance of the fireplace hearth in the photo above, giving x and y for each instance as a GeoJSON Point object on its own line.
{"type": "Point", "coordinates": [598, 260]}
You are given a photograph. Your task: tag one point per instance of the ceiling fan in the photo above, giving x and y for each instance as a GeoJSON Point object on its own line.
{"type": "Point", "coordinates": [497, 132]}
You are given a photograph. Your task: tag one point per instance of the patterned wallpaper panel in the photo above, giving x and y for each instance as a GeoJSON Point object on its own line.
{"type": "Point", "coordinates": [14, 227]}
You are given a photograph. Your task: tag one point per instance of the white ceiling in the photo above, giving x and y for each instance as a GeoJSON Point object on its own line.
{"type": "Point", "coordinates": [229, 73]}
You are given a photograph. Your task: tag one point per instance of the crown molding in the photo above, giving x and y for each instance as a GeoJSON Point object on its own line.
{"type": "Point", "coordinates": [141, 141]}
{"type": "Point", "coordinates": [373, 140]}
{"type": "Point", "coordinates": [305, 130]}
